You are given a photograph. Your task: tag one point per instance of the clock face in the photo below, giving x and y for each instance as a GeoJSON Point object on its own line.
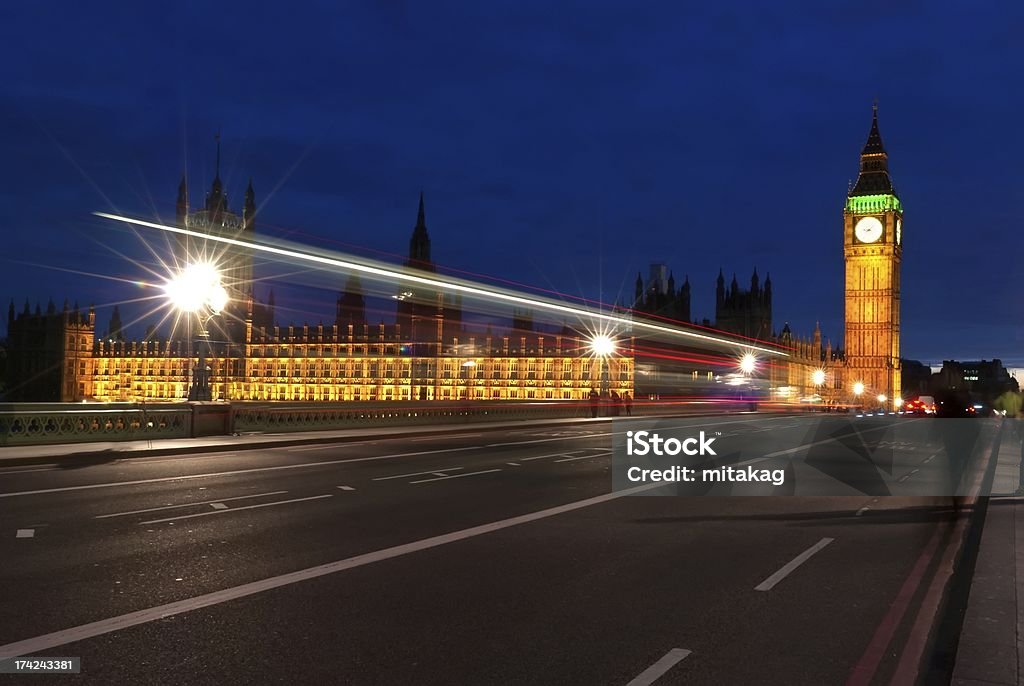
{"type": "Point", "coordinates": [868, 230]}
{"type": "Point", "coordinates": [899, 231]}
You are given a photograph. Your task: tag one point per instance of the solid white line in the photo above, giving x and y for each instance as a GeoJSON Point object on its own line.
{"type": "Point", "coordinates": [37, 644]}
{"type": "Point", "coordinates": [171, 507]}
{"type": "Point", "coordinates": [346, 488]}
{"type": "Point", "coordinates": [455, 476]}
{"type": "Point", "coordinates": [788, 568]}
{"type": "Point", "coordinates": [582, 457]}
{"type": "Point", "coordinates": [236, 509]}
{"type": "Point", "coordinates": [218, 506]}
{"type": "Point", "coordinates": [307, 448]}
{"type": "Point", "coordinates": [233, 472]}
{"type": "Point", "coordinates": [513, 464]}
{"type": "Point", "coordinates": [402, 476]}
{"type": "Point", "coordinates": [655, 671]}
{"type": "Point", "coordinates": [25, 533]}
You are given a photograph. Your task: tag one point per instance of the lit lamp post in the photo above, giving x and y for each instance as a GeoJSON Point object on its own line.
{"type": "Point", "coordinates": [858, 391]}
{"type": "Point", "coordinates": [881, 402]}
{"type": "Point", "coordinates": [818, 379]}
{"type": "Point", "coordinates": [197, 291]}
{"type": "Point", "coordinates": [601, 346]}
{"type": "Point", "coordinates": [748, 366]}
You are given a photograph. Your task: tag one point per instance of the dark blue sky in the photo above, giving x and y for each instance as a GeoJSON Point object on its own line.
{"type": "Point", "coordinates": [564, 144]}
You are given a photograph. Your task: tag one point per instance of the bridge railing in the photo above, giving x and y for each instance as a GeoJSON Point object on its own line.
{"type": "Point", "coordinates": [278, 417]}
{"type": "Point", "coordinates": [48, 423]}
{"type": "Point", "coordinates": [43, 423]}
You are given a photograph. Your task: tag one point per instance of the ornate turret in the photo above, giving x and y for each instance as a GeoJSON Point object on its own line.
{"type": "Point", "coordinates": [216, 199]}
{"type": "Point", "coordinates": [115, 330]}
{"type": "Point", "coordinates": [352, 306]}
{"type": "Point", "coordinates": [181, 208]}
{"type": "Point", "coordinates": [249, 211]}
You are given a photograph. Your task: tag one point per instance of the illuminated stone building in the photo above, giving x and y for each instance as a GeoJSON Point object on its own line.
{"type": "Point", "coordinates": [425, 355]}
{"type": "Point", "coordinates": [873, 250]}
{"type": "Point", "coordinates": [812, 373]}
{"type": "Point", "coordinates": [331, 363]}
{"type": "Point", "coordinates": [49, 357]}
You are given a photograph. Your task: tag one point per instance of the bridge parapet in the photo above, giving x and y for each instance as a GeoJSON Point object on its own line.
{"type": "Point", "coordinates": [43, 423]}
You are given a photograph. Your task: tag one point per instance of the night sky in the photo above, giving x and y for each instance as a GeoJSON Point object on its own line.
{"type": "Point", "coordinates": [566, 145]}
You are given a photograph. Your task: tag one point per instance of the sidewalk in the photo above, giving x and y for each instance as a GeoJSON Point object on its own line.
{"type": "Point", "coordinates": [991, 648]}
{"type": "Point", "coordinates": [31, 454]}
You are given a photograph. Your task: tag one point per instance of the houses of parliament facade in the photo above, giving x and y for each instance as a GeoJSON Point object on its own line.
{"type": "Point", "coordinates": [427, 354]}
{"type": "Point", "coordinates": [55, 355]}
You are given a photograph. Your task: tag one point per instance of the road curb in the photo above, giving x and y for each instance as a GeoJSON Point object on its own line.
{"type": "Point", "coordinates": [930, 648]}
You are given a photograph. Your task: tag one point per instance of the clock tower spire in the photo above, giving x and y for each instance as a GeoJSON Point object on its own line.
{"type": "Point", "coordinates": [873, 251]}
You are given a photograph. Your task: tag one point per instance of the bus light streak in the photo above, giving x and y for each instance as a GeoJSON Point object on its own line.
{"type": "Point", "coordinates": [466, 287]}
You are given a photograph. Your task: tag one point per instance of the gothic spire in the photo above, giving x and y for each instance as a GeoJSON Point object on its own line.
{"type": "Point", "coordinates": [215, 200]}
{"type": "Point", "coordinates": [874, 146]}
{"type": "Point", "coordinates": [874, 176]}
{"type": "Point", "coordinates": [419, 244]}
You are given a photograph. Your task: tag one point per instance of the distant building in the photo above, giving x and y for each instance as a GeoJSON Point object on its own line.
{"type": "Point", "coordinates": [659, 296]}
{"type": "Point", "coordinates": [916, 379]}
{"type": "Point", "coordinates": [49, 356]}
{"type": "Point", "coordinates": [983, 379]}
{"type": "Point", "coordinates": [744, 312]}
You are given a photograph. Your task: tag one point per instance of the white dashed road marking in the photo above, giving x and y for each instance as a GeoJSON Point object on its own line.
{"type": "Point", "coordinates": [788, 568]}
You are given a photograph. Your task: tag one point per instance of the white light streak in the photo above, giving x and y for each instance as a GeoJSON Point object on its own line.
{"type": "Point", "coordinates": [460, 286]}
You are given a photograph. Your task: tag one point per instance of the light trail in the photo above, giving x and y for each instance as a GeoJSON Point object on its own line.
{"type": "Point", "coordinates": [462, 286]}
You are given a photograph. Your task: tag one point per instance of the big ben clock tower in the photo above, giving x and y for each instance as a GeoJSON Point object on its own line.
{"type": "Point", "coordinates": [873, 248]}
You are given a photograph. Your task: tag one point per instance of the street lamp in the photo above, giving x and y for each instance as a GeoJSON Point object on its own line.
{"type": "Point", "coordinates": [818, 379]}
{"type": "Point", "coordinates": [858, 391]}
{"type": "Point", "coordinates": [197, 291]}
{"type": "Point", "coordinates": [748, 363]}
{"type": "Point", "coordinates": [602, 346]}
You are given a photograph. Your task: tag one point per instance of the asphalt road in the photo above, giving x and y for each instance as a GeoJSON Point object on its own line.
{"type": "Point", "coordinates": [476, 557]}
